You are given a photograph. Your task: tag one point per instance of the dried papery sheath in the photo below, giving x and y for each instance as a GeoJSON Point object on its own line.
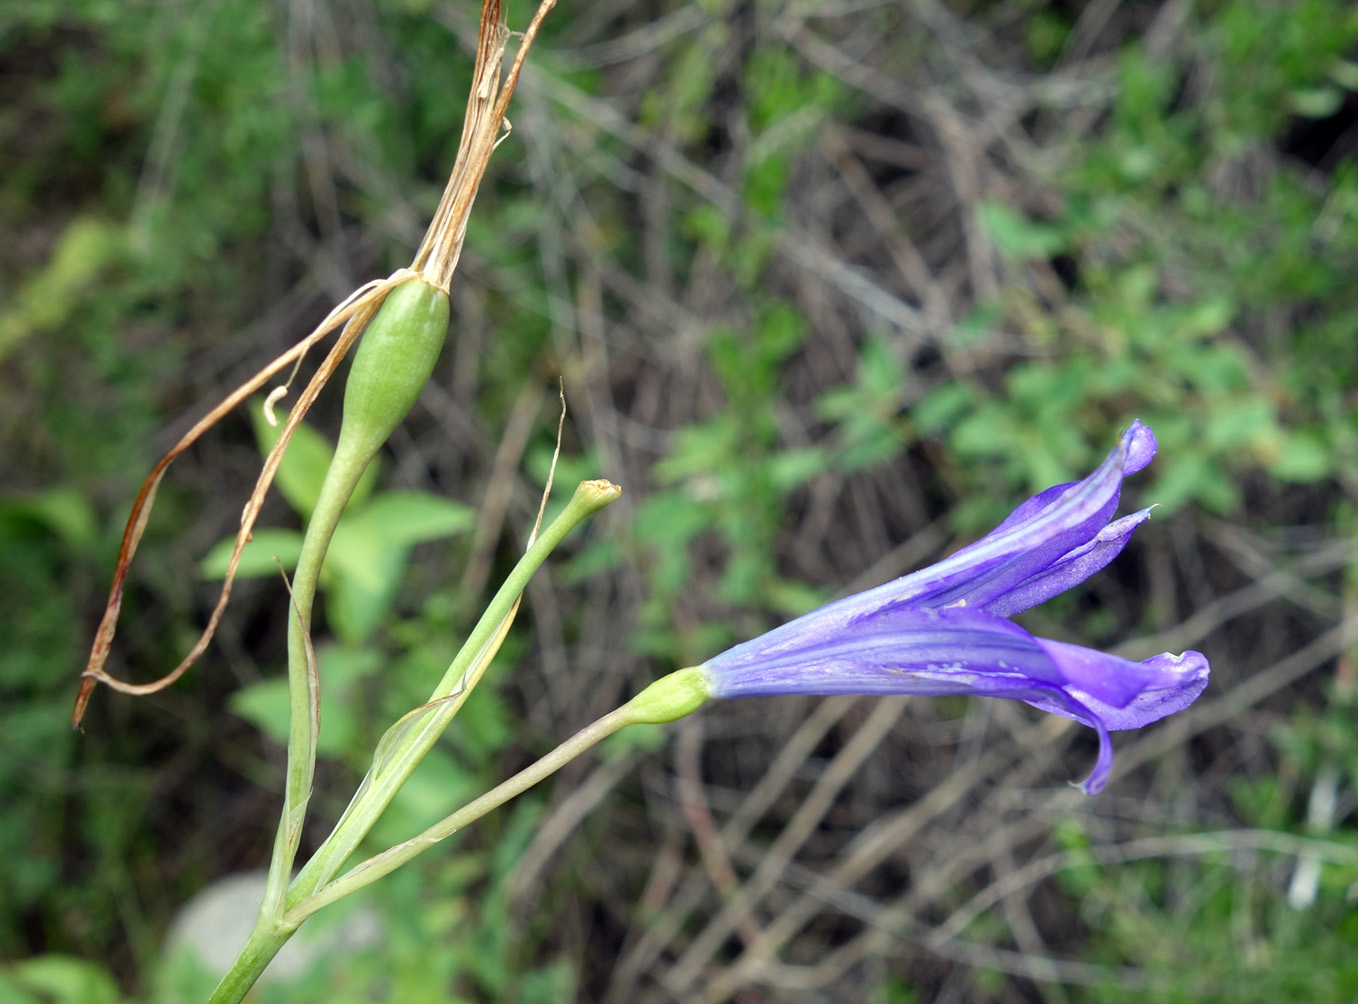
{"type": "Point", "coordinates": [944, 629]}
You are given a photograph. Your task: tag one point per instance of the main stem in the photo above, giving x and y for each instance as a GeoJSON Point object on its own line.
{"type": "Point", "coordinates": [260, 948]}
{"type": "Point", "coordinates": [346, 468]}
{"type": "Point", "coordinates": [271, 932]}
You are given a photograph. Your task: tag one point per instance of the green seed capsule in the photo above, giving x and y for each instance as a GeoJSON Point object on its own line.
{"type": "Point", "coordinates": [394, 360]}
{"type": "Point", "coordinates": [393, 363]}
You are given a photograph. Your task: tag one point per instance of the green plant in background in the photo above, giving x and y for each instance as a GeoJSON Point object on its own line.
{"type": "Point", "coordinates": [1148, 210]}
{"type": "Point", "coordinates": [1241, 300]}
{"type": "Point", "coordinates": [725, 477]}
{"type": "Point", "coordinates": [1200, 914]}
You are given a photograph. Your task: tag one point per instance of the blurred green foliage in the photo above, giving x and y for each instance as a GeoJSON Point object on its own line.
{"type": "Point", "coordinates": [168, 132]}
{"type": "Point", "coordinates": [1213, 927]}
{"type": "Point", "coordinates": [1145, 215]}
{"type": "Point", "coordinates": [371, 545]}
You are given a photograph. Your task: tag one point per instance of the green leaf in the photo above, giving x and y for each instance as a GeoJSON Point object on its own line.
{"type": "Point", "coordinates": [598, 557]}
{"type": "Point", "coordinates": [701, 449]}
{"type": "Point", "coordinates": [302, 470]}
{"type": "Point", "coordinates": [369, 551]}
{"type": "Point", "coordinates": [364, 570]}
{"type": "Point", "coordinates": [1207, 317]}
{"type": "Point", "coordinates": [259, 558]}
{"type": "Point", "coordinates": [46, 300]}
{"type": "Point", "coordinates": [707, 225]}
{"type": "Point", "coordinates": [941, 408]}
{"type": "Point", "coordinates": [265, 706]}
{"type": "Point", "coordinates": [1018, 238]}
{"type": "Point", "coordinates": [64, 979]}
{"type": "Point", "coordinates": [342, 669]}
{"type": "Point", "coordinates": [13, 992]}
{"type": "Point", "coordinates": [1236, 423]}
{"type": "Point", "coordinates": [553, 982]}
{"type": "Point", "coordinates": [791, 468]}
{"type": "Point", "coordinates": [1316, 102]}
{"type": "Point", "coordinates": [1188, 477]}
{"type": "Point", "coordinates": [403, 519]}
{"type": "Point", "coordinates": [62, 511]}
{"type": "Point", "coordinates": [1302, 457]}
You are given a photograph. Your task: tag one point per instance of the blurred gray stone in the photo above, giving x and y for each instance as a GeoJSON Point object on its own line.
{"type": "Point", "coordinates": [214, 924]}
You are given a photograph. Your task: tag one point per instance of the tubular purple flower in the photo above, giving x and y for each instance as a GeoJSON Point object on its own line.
{"type": "Point", "coordinates": [944, 629]}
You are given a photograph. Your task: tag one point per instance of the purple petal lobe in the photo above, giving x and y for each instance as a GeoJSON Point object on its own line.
{"type": "Point", "coordinates": [1141, 445]}
{"type": "Point", "coordinates": [1071, 569]}
{"type": "Point", "coordinates": [1035, 536]}
{"type": "Point", "coordinates": [1112, 685]}
{"type": "Point", "coordinates": [899, 650]}
{"type": "Point", "coordinates": [1060, 702]}
{"type": "Point", "coordinates": [1170, 683]}
{"type": "Point", "coordinates": [1182, 679]}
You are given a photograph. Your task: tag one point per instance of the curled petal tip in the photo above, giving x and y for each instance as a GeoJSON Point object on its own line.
{"type": "Point", "coordinates": [1140, 443]}
{"type": "Point", "coordinates": [1124, 526]}
{"type": "Point", "coordinates": [1093, 784]}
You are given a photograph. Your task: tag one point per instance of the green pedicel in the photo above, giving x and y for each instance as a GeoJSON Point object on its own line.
{"type": "Point", "coordinates": [394, 360]}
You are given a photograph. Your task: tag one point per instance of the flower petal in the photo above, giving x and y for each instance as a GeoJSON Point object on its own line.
{"type": "Point", "coordinates": [1031, 539]}
{"type": "Point", "coordinates": [1071, 569]}
{"type": "Point", "coordinates": [1139, 445]}
{"type": "Point", "coordinates": [1159, 686]}
{"type": "Point", "coordinates": [1061, 702]}
{"type": "Point", "coordinates": [1184, 678]}
{"type": "Point", "coordinates": [1052, 524]}
{"type": "Point", "coordinates": [899, 650]}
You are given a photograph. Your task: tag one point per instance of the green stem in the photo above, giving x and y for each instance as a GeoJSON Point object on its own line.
{"type": "Point", "coordinates": [260, 948]}
{"type": "Point", "coordinates": [386, 778]}
{"type": "Point", "coordinates": [669, 698]}
{"type": "Point", "coordinates": [394, 361]}
{"type": "Point", "coordinates": [346, 468]}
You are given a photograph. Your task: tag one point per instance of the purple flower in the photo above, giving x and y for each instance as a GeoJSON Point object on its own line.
{"type": "Point", "coordinates": [944, 629]}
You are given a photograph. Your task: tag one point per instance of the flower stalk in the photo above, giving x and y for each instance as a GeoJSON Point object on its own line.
{"type": "Point", "coordinates": [405, 744]}
{"type": "Point", "coordinates": [666, 700]}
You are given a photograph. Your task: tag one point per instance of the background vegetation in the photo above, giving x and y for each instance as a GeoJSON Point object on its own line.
{"type": "Point", "coordinates": [831, 286]}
